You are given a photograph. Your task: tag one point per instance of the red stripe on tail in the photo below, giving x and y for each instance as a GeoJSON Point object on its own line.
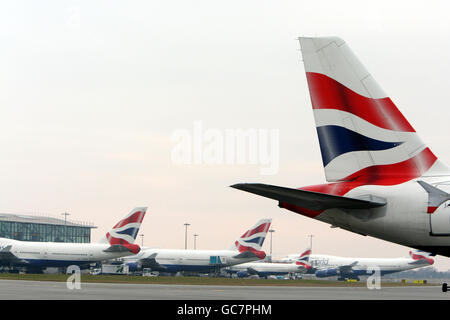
{"type": "Point", "coordinates": [381, 175]}
{"type": "Point", "coordinates": [136, 217]}
{"type": "Point", "coordinates": [327, 93]}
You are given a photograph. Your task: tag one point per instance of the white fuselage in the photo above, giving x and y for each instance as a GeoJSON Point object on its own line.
{"type": "Point", "coordinates": [175, 260]}
{"type": "Point", "coordinates": [404, 219]}
{"type": "Point", "coordinates": [268, 268]}
{"type": "Point", "coordinates": [362, 265]}
{"type": "Point", "coordinates": [56, 254]}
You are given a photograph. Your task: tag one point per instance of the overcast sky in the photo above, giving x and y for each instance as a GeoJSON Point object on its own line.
{"type": "Point", "coordinates": [94, 91]}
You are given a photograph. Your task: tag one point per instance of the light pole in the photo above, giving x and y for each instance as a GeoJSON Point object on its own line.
{"type": "Point", "coordinates": [185, 235]}
{"type": "Point", "coordinates": [271, 233]}
{"type": "Point", "coordinates": [65, 214]}
{"type": "Point", "coordinates": [310, 241]}
{"type": "Point", "coordinates": [142, 239]}
{"type": "Point", "coordinates": [195, 241]}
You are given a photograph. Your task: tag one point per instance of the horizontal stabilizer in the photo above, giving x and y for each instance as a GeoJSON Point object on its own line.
{"type": "Point", "coordinates": [116, 248]}
{"type": "Point", "coordinates": [133, 248]}
{"type": "Point", "coordinates": [416, 262]}
{"type": "Point", "coordinates": [245, 255]}
{"type": "Point", "coordinates": [309, 199]}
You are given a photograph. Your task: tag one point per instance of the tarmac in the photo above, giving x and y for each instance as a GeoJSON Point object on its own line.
{"type": "Point", "coordinates": [46, 290]}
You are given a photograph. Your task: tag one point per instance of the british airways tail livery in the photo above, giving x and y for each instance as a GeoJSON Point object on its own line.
{"type": "Point", "coordinates": [303, 260]}
{"type": "Point", "coordinates": [125, 231]}
{"type": "Point", "coordinates": [383, 180]}
{"type": "Point", "coordinates": [250, 242]}
{"type": "Point", "coordinates": [299, 264]}
{"type": "Point", "coordinates": [35, 256]}
{"type": "Point", "coordinates": [362, 134]}
{"type": "Point", "coordinates": [246, 248]}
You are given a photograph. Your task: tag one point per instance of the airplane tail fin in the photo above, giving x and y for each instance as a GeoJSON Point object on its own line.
{"type": "Point", "coordinates": [361, 132]}
{"type": "Point", "coordinates": [123, 234]}
{"type": "Point", "coordinates": [421, 256]}
{"type": "Point", "coordinates": [303, 259]}
{"type": "Point", "coordinates": [250, 242]}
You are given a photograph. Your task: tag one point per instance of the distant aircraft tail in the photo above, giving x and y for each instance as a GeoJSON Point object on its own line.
{"type": "Point", "coordinates": [303, 259]}
{"type": "Point", "coordinates": [250, 242]}
{"type": "Point", "coordinates": [123, 234]}
{"type": "Point", "coordinates": [421, 256]}
{"type": "Point", "coordinates": [361, 132]}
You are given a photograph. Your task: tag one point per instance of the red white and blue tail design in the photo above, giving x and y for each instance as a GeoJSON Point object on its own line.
{"type": "Point", "coordinates": [421, 256]}
{"type": "Point", "coordinates": [303, 259]}
{"type": "Point", "coordinates": [125, 231]}
{"type": "Point", "coordinates": [361, 132]}
{"type": "Point", "coordinates": [253, 239]}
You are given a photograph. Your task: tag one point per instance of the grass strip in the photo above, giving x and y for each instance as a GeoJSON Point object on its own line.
{"type": "Point", "coordinates": [201, 281]}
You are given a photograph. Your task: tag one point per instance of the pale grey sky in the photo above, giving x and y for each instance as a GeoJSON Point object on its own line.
{"type": "Point", "coordinates": [92, 92]}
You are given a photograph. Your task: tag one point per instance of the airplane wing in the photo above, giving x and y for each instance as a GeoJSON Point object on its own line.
{"type": "Point", "coordinates": [311, 270]}
{"type": "Point", "coordinates": [150, 262]}
{"type": "Point", "coordinates": [309, 199]}
{"type": "Point", "coordinates": [8, 258]}
{"type": "Point", "coordinates": [252, 271]}
{"type": "Point", "coordinates": [348, 268]}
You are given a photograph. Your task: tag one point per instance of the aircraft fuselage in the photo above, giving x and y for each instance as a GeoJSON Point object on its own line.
{"type": "Point", "coordinates": [403, 220]}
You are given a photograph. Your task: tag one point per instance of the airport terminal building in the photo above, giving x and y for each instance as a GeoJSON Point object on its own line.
{"type": "Point", "coordinates": [43, 229]}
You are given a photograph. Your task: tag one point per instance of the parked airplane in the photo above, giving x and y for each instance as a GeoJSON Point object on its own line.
{"type": "Point", "coordinates": [246, 248]}
{"type": "Point", "coordinates": [383, 180]}
{"type": "Point", "coordinates": [35, 256]}
{"type": "Point", "coordinates": [298, 264]}
{"type": "Point", "coordinates": [351, 268]}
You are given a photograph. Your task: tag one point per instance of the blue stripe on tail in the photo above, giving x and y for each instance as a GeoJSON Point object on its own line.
{"type": "Point", "coordinates": [257, 240]}
{"type": "Point", "coordinates": [336, 140]}
{"type": "Point", "coordinates": [132, 232]}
